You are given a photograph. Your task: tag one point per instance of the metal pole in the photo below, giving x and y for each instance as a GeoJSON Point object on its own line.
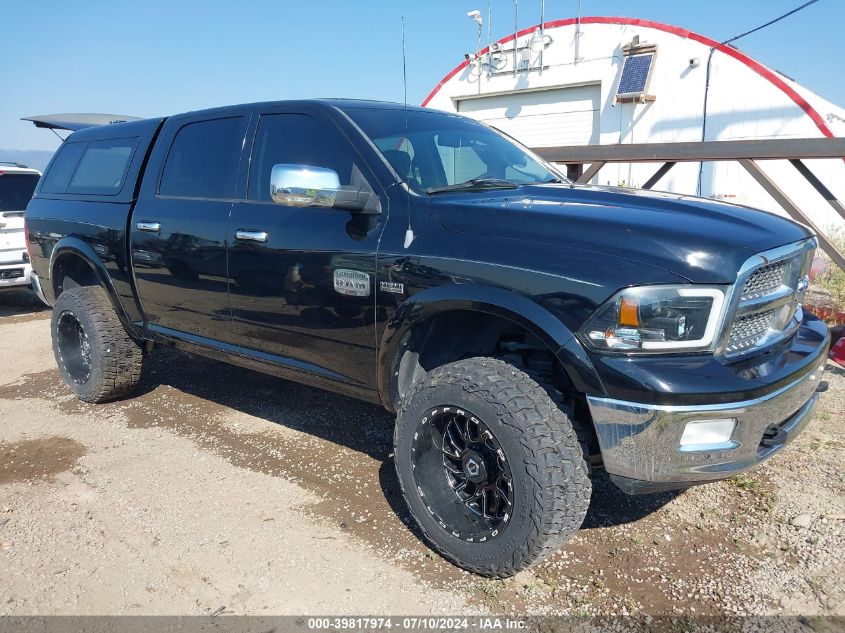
{"type": "Point", "coordinates": [577, 33]}
{"type": "Point", "coordinates": [478, 58]}
{"type": "Point", "coordinates": [478, 46]}
{"type": "Point", "coordinates": [515, 32]}
{"type": "Point", "coordinates": [489, 37]}
{"type": "Point", "coordinates": [542, 31]}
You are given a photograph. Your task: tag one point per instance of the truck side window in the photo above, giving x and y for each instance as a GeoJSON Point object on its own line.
{"type": "Point", "coordinates": [296, 139]}
{"type": "Point", "coordinates": [62, 168]}
{"type": "Point", "coordinates": [103, 167]}
{"type": "Point", "coordinates": [203, 160]}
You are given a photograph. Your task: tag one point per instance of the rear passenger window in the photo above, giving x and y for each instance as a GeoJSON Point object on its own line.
{"type": "Point", "coordinates": [57, 177]}
{"type": "Point", "coordinates": [103, 167]}
{"type": "Point", "coordinates": [203, 160]}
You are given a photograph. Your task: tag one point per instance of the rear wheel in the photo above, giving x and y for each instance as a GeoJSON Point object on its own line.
{"type": "Point", "coordinates": [96, 357]}
{"type": "Point", "coordinates": [491, 468]}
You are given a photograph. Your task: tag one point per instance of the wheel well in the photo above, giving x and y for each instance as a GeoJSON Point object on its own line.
{"type": "Point", "coordinates": [454, 335]}
{"type": "Point", "coordinates": [71, 271]}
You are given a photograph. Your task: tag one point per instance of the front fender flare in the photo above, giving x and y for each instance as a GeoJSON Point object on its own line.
{"type": "Point", "coordinates": [489, 300]}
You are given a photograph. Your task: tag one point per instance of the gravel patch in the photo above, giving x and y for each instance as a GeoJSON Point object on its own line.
{"type": "Point", "coordinates": [220, 488]}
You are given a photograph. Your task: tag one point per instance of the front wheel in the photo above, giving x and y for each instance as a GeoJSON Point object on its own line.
{"type": "Point", "coordinates": [490, 466]}
{"type": "Point", "coordinates": [95, 355]}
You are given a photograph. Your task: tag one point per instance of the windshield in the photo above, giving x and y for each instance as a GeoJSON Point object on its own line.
{"type": "Point", "coordinates": [436, 151]}
{"type": "Point", "coordinates": [16, 190]}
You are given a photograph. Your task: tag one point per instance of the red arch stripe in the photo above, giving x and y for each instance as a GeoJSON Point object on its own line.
{"type": "Point", "coordinates": [753, 64]}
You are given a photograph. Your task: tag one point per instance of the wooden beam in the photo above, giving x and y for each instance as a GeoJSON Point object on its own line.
{"type": "Point", "coordinates": [696, 151]}
{"type": "Point", "coordinates": [819, 186]}
{"type": "Point", "coordinates": [664, 169]}
{"type": "Point", "coordinates": [592, 170]}
{"type": "Point", "coordinates": [792, 209]}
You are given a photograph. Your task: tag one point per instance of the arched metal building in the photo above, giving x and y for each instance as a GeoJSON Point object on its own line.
{"type": "Point", "coordinates": [607, 80]}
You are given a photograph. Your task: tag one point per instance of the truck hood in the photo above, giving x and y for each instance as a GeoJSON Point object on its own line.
{"type": "Point", "coordinates": [699, 239]}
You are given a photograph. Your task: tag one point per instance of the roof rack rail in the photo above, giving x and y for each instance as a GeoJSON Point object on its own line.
{"type": "Point", "coordinates": [13, 164]}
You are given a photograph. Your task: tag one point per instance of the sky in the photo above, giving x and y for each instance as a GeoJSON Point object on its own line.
{"type": "Point", "coordinates": [156, 58]}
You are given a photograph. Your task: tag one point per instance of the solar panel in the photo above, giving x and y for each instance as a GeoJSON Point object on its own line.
{"type": "Point", "coordinates": [635, 74]}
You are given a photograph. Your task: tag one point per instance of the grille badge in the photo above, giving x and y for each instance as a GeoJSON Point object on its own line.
{"type": "Point", "coordinates": [803, 284]}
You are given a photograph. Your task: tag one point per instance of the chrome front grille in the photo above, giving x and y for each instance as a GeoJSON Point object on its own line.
{"type": "Point", "coordinates": [767, 307]}
{"type": "Point", "coordinates": [747, 330]}
{"type": "Point", "coordinates": [764, 280]}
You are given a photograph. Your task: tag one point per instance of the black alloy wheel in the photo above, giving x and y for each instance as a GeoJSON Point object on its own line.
{"type": "Point", "coordinates": [462, 474]}
{"type": "Point", "coordinates": [74, 347]}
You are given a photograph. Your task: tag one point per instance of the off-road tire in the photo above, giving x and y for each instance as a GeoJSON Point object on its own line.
{"type": "Point", "coordinates": [550, 478]}
{"type": "Point", "coordinates": [115, 360]}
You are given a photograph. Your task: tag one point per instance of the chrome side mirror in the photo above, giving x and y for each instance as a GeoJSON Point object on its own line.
{"type": "Point", "coordinates": [303, 186]}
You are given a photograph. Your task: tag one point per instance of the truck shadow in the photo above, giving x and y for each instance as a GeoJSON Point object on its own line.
{"type": "Point", "coordinates": [362, 427]}
{"type": "Point", "coordinates": [20, 302]}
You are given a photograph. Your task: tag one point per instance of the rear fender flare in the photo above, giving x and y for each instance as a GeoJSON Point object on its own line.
{"type": "Point", "coordinates": [75, 247]}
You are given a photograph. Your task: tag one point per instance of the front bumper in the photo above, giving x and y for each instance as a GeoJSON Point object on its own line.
{"type": "Point", "coordinates": [640, 443]}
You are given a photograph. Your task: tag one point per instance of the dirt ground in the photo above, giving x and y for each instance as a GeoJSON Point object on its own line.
{"type": "Point", "coordinates": [220, 490]}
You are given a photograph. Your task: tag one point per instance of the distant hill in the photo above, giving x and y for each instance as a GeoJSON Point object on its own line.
{"type": "Point", "coordinates": [35, 158]}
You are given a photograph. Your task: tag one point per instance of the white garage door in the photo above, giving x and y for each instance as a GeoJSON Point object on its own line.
{"type": "Point", "coordinates": [541, 118]}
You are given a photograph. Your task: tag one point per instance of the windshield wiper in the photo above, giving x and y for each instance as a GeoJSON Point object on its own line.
{"type": "Point", "coordinates": [475, 183]}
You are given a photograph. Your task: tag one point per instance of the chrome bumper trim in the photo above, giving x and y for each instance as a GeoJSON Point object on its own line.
{"type": "Point", "coordinates": [642, 441]}
{"type": "Point", "coordinates": [36, 287]}
{"type": "Point", "coordinates": [16, 282]}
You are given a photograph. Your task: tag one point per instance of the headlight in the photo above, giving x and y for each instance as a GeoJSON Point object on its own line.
{"type": "Point", "coordinates": [656, 319]}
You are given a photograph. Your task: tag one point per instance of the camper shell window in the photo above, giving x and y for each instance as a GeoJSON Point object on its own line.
{"type": "Point", "coordinates": [95, 168]}
{"type": "Point", "coordinates": [102, 168]}
{"type": "Point", "coordinates": [61, 169]}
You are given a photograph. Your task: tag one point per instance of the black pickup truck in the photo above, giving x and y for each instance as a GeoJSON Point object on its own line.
{"type": "Point", "coordinates": [524, 329]}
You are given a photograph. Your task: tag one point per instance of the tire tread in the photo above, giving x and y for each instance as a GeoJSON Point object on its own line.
{"type": "Point", "coordinates": [554, 458]}
{"type": "Point", "coordinates": [122, 358]}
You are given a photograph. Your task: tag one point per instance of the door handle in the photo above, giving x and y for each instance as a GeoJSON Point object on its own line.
{"type": "Point", "coordinates": [149, 227]}
{"type": "Point", "coordinates": [243, 235]}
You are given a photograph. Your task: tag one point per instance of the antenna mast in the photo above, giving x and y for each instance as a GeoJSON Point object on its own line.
{"type": "Point", "coordinates": [404, 75]}
{"type": "Point", "coordinates": [409, 233]}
